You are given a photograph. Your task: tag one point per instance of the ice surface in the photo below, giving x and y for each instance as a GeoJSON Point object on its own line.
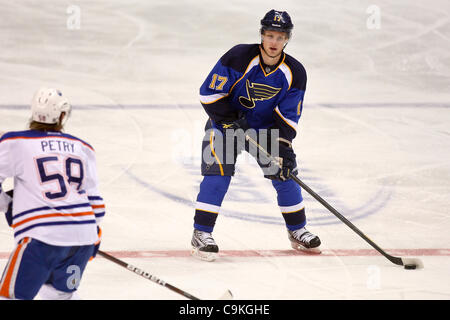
{"type": "Point", "coordinates": [374, 141]}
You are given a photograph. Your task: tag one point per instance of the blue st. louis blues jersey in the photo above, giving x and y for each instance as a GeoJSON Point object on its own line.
{"type": "Point", "coordinates": [269, 97]}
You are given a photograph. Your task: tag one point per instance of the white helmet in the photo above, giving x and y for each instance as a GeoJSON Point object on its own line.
{"type": "Point", "coordinates": [47, 106]}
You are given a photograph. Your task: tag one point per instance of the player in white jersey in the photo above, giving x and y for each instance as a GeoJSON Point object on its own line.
{"type": "Point", "coordinates": [55, 207]}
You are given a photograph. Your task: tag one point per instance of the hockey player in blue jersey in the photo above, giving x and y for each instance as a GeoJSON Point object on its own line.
{"type": "Point", "coordinates": [258, 89]}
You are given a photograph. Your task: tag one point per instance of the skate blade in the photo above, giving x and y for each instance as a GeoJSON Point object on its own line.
{"type": "Point", "coordinates": [226, 296]}
{"type": "Point", "coordinates": [299, 247]}
{"type": "Point", "coordinates": [202, 255]}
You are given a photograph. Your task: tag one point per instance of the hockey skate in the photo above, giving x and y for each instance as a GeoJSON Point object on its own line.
{"type": "Point", "coordinates": [203, 246]}
{"type": "Point", "coordinates": [302, 239]}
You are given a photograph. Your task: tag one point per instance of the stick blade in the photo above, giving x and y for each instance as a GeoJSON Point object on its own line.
{"type": "Point", "coordinates": [226, 296]}
{"type": "Point", "coordinates": [413, 261]}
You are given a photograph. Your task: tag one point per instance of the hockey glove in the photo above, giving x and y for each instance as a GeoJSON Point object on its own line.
{"type": "Point", "coordinates": [97, 244]}
{"type": "Point", "coordinates": [240, 123]}
{"type": "Point", "coordinates": [8, 213]}
{"type": "Point", "coordinates": [230, 127]}
{"type": "Point", "coordinates": [287, 164]}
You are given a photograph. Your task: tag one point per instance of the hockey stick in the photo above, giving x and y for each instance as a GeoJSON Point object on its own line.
{"type": "Point", "coordinates": [226, 296]}
{"type": "Point", "coordinates": [408, 263]}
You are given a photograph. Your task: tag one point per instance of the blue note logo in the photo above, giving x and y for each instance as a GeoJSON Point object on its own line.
{"type": "Point", "coordinates": [257, 92]}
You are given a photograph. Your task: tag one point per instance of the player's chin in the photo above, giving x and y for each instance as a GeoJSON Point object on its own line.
{"type": "Point", "coordinates": [275, 52]}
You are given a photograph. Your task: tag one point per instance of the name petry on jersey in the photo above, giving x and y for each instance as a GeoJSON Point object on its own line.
{"type": "Point", "coordinates": [269, 96]}
{"type": "Point", "coordinates": [56, 198]}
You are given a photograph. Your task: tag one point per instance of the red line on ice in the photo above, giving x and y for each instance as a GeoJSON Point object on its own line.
{"type": "Point", "coordinates": [272, 253]}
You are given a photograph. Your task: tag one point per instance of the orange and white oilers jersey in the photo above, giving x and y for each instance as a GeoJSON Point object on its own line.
{"type": "Point", "coordinates": [56, 198]}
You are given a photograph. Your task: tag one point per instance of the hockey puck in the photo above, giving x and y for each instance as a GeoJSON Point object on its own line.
{"type": "Point", "coordinates": [410, 266]}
